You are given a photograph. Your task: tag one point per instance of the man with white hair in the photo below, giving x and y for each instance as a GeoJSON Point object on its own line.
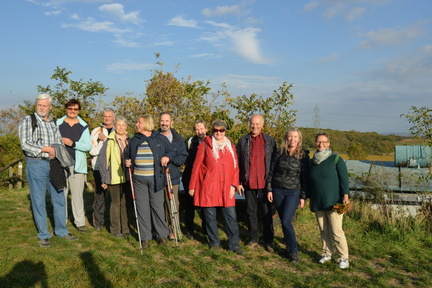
{"type": "Point", "coordinates": [37, 134]}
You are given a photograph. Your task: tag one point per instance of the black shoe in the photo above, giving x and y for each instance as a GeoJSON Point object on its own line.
{"type": "Point", "coordinates": [118, 235]}
{"type": "Point", "coordinates": [45, 242]}
{"type": "Point", "coordinates": [189, 236]}
{"type": "Point", "coordinates": [145, 244]}
{"type": "Point", "coordinates": [70, 237]}
{"type": "Point", "coordinates": [214, 247]}
{"type": "Point", "coordinates": [293, 257]}
{"type": "Point", "coordinates": [98, 227]}
{"type": "Point", "coordinates": [269, 248]}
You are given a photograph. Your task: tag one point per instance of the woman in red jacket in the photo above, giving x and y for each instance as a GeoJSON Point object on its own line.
{"type": "Point", "coordinates": [213, 182]}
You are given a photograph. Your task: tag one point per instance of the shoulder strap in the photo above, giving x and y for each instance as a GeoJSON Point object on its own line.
{"type": "Point", "coordinates": [33, 122]}
{"type": "Point", "coordinates": [336, 159]}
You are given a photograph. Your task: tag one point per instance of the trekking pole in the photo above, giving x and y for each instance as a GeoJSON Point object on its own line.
{"type": "Point", "coordinates": [135, 207]}
{"type": "Point", "coordinates": [175, 221]}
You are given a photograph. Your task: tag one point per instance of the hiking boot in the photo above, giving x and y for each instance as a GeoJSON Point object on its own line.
{"type": "Point", "coordinates": [239, 251]}
{"type": "Point", "coordinates": [70, 237]}
{"type": "Point", "coordinates": [214, 247]}
{"type": "Point", "coordinates": [293, 257]}
{"type": "Point", "coordinates": [163, 241]}
{"type": "Point", "coordinates": [45, 242]}
{"type": "Point", "coordinates": [171, 237]}
{"type": "Point", "coordinates": [269, 248]}
{"type": "Point", "coordinates": [82, 229]}
{"type": "Point", "coordinates": [324, 259]}
{"type": "Point", "coordinates": [252, 245]}
{"type": "Point", "coordinates": [118, 235]}
{"type": "Point", "coordinates": [145, 244]}
{"type": "Point", "coordinates": [190, 236]}
{"type": "Point", "coordinates": [98, 227]}
{"type": "Point", "coordinates": [343, 263]}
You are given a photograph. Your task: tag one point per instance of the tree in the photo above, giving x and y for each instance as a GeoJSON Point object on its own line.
{"type": "Point", "coordinates": [275, 110]}
{"type": "Point", "coordinates": [421, 118]}
{"type": "Point", "coordinates": [10, 120]}
{"type": "Point", "coordinates": [356, 152]}
{"type": "Point", "coordinates": [66, 89]}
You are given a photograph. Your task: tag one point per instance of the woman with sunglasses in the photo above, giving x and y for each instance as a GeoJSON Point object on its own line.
{"type": "Point", "coordinates": [214, 179]}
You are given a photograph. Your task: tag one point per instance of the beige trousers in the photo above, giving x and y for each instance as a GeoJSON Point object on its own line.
{"type": "Point", "coordinates": [332, 235]}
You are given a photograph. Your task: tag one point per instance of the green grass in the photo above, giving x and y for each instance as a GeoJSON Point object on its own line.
{"type": "Point", "coordinates": [381, 256]}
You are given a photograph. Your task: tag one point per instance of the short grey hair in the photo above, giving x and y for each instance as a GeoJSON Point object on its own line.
{"type": "Point", "coordinates": [120, 118]}
{"type": "Point", "coordinates": [219, 123]}
{"type": "Point", "coordinates": [109, 110]}
{"type": "Point", "coordinates": [44, 97]}
{"type": "Point", "coordinates": [262, 118]}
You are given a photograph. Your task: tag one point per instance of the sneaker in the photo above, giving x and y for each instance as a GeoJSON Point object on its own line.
{"type": "Point", "coordinates": [343, 263]}
{"type": "Point", "coordinates": [82, 229]}
{"type": "Point", "coordinates": [163, 241]}
{"type": "Point", "coordinates": [252, 245]}
{"type": "Point", "coordinates": [145, 244]}
{"type": "Point", "coordinates": [324, 259]}
{"type": "Point", "coordinates": [118, 235]}
{"type": "Point", "coordinates": [293, 257]}
{"type": "Point", "coordinates": [269, 248]}
{"type": "Point", "coordinates": [239, 251]}
{"type": "Point", "coordinates": [45, 242]}
{"type": "Point", "coordinates": [70, 237]}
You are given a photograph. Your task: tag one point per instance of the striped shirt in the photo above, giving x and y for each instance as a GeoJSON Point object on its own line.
{"type": "Point", "coordinates": [144, 163]}
{"type": "Point", "coordinates": [46, 134]}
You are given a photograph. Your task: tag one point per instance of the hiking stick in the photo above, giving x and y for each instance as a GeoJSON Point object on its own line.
{"type": "Point", "coordinates": [135, 207]}
{"type": "Point", "coordinates": [175, 221]}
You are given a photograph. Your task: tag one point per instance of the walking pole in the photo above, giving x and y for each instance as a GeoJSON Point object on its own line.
{"type": "Point", "coordinates": [135, 207]}
{"type": "Point", "coordinates": [175, 221]}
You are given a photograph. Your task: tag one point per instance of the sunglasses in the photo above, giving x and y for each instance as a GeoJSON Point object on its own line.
{"type": "Point", "coordinates": [218, 130]}
{"type": "Point", "coordinates": [73, 109]}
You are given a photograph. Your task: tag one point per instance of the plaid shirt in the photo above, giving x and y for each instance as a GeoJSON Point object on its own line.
{"type": "Point", "coordinates": [46, 134]}
{"type": "Point", "coordinates": [257, 163]}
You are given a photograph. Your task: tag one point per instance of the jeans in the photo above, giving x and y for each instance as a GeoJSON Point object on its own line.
{"type": "Point", "coordinates": [253, 198]}
{"type": "Point", "coordinates": [37, 172]}
{"type": "Point", "coordinates": [286, 202]}
{"type": "Point", "coordinates": [229, 216]}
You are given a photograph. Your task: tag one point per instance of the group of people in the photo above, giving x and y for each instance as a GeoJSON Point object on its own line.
{"type": "Point", "coordinates": [214, 170]}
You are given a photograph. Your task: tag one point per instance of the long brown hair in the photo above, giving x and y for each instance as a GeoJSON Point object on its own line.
{"type": "Point", "coordinates": [284, 148]}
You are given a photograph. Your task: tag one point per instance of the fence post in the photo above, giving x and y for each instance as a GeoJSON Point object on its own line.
{"type": "Point", "coordinates": [20, 168]}
{"type": "Point", "coordinates": [10, 175]}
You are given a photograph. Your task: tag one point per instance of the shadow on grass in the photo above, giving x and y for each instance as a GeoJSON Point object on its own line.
{"type": "Point", "coordinates": [96, 276]}
{"type": "Point", "coordinates": [25, 274]}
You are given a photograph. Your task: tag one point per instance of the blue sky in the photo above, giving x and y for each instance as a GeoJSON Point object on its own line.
{"type": "Point", "coordinates": [362, 63]}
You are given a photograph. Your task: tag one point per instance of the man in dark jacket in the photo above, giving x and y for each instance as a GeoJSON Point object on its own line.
{"type": "Point", "coordinates": [179, 147]}
{"type": "Point", "coordinates": [192, 143]}
{"type": "Point", "coordinates": [255, 151]}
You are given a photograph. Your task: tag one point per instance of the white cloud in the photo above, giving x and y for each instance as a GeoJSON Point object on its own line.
{"type": "Point", "coordinates": [311, 6]}
{"type": "Point", "coordinates": [355, 13]}
{"type": "Point", "coordinates": [244, 42]}
{"type": "Point", "coordinates": [54, 12]}
{"type": "Point", "coordinates": [92, 25]}
{"type": "Point", "coordinates": [126, 43]}
{"type": "Point", "coordinates": [127, 66]}
{"type": "Point", "coordinates": [330, 58]}
{"type": "Point", "coordinates": [391, 36]}
{"type": "Point", "coordinates": [162, 43]}
{"type": "Point", "coordinates": [181, 21]}
{"type": "Point", "coordinates": [221, 10]}
{"type": "Point", "coordinates": [205, 55]}
{"type": "Point", "coordinates": [117, 10]}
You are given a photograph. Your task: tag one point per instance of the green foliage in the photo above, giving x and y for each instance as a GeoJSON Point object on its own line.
{"type": "Point", "coordinates": [275, 110]}
{"type": "Point", "coordinates": [356, 152]}
{"type": "Point", "coordinates": [421, 118]}
{"type": "Point", "coordinates": [10, 120]}
{"type": "Point", "coordinates": [10, 149]}
{"type": "Point", "coordinates": [66, 89]}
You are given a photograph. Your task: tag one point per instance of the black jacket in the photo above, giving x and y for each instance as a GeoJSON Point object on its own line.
{"type": "Point", "coordinates": [289, 172]}
{"type": "Point", "coordinates": [179, 159]}
{"type": "Point", "coordinates": [192, 148]}
{"type": "Point", "coordinates": [243, 154]}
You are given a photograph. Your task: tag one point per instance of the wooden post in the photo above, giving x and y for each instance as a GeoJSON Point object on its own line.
{"type": "Point", "coordinates": [20, 168]}
{"type": "Point", "coordinates": [10, 175]}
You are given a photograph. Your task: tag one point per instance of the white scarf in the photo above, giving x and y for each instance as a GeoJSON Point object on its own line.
{"type": "Point", "coordinates": [220, 146]}
{"type": "Point", "coordinates": [320, 156]}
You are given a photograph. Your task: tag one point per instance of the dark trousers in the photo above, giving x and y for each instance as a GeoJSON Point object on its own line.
{"type": "Point", "coordinates": [99, 200]}
{"type": "Point", "coordinates": [118, 212]}
{"type": "Point", "coordinates": [258, 198]}
{"type": "Point", "coordinates": [229, 217]}
{"type": "Point", "coordinates": [286, 202]}
{"type": "Point", "coordinates": [189, 215]}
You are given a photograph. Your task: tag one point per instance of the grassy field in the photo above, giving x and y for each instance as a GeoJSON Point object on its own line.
{"type": "Point", "coordinates": [381, 256]}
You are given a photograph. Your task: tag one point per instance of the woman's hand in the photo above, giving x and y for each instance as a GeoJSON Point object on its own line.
{"type": "Point", "coordinates": [104, 186]}
{"type": "Point", "coordinates": [191, 192]}
{"type": "Point", "coordinates": [128, 163]}
{"type": "Point", "coordinates": [270, 196]}
{"type": "Point", "coordinates": [302, 201]}
{"type": "Point", "coordinates": [232, 192]}
{"type": "Point", "coordinates": [346, 199]}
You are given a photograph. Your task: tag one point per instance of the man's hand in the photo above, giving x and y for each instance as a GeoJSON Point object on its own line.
{"type": "Point", "coordinates": [101, 136]}
{"type": "Point", "coordinates": [164, 161]}
{"type": "Point", "coordinates": [191, 192]}
{"type": "Point", "coordinates": [270, 196]}
{"type": "Point", "coordinates": [128, 163]}
{"type": "Point", "coordinates": [302, 201]}
{"type": "Point", "coordinates": [240, 189]}
{"type": "Point", "coordinates": [50, 150]}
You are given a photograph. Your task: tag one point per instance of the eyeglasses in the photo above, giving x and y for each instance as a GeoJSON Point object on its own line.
{"type": "Point", "coordinates": [322, 142]}
{"type": "Point", "coordinates": [218, 130]}
{"type": "Point", "coordinates": [72, 109]}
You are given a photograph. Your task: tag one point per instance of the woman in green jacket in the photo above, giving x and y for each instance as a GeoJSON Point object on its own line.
{"type": "Point", "coordinates": [328, 185]}
{"type": "Point", "coordinates": [113, 176]}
